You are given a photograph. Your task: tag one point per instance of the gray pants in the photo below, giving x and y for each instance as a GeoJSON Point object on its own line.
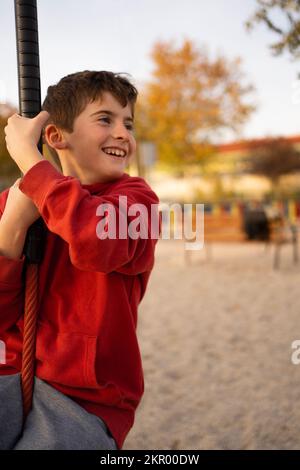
{"type": "Point", "coordinates": [55, 422]}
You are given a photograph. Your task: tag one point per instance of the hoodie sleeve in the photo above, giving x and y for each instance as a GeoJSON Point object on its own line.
{"type": "Point", "coordinates": [84, 220]}
{"type": "Point", "coordinates": [11, 286]}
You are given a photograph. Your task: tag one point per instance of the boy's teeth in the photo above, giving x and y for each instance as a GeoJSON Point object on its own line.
{"type": "Point", "coordinates": [114, 152]}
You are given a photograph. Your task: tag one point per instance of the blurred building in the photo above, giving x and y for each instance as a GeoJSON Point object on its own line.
{"type": "Point", "coordinates": [224, 176]}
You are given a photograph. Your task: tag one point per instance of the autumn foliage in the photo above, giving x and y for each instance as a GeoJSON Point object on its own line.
{"type": "Point", "coordinates": [8, 168]}
{"type": "Point", "coordinates": [282, 17]}
{"type": "Point", "coordinates": [188, 99]}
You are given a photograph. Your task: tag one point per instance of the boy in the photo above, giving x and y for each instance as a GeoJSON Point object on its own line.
{"type": "Point", "coordinates": [89, 377]}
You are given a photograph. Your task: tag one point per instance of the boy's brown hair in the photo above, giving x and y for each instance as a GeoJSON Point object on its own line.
{"type": "Point", "coordinates": [68, 98]}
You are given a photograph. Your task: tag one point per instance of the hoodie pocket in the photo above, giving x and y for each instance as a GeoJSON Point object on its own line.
{"type": "Point", "coordinates": [66, 358]}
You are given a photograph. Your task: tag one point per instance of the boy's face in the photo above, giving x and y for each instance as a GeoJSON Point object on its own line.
{"type": "Point", "coordinates": [104, 127]}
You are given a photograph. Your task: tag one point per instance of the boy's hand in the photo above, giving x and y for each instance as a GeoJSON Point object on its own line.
{"type": "Point", "coordinates": [22, 136]}
{"type": "Point", "coordinates": [20, 212]}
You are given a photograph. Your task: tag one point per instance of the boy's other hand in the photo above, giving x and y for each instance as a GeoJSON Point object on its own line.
{"type": "Point", "coordinates": [20, 212]}
{"type": "Point", "coordinates": [22, 136]}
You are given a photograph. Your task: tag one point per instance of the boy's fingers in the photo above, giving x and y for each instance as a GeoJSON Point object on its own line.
{"type": "Point", "coordinates": [43, 116]}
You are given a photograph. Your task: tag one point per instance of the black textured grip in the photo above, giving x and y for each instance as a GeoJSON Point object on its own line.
{"type": "Point", "coordinates": [28, 57]}
{"type": "Point", "coordinates": [29, 100]}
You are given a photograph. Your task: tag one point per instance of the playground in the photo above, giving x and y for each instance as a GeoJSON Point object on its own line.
{"type": "Point", "coordinates": [216, 341]}
{"type": "Point", "coordinates": [193, 117]}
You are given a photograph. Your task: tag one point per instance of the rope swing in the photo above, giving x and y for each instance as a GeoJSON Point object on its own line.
{"type": "Point", "coordinates": [29, 106]}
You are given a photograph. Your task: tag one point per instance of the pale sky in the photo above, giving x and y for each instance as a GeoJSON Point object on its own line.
{"type": "Point", "coordinates": [118, 35]}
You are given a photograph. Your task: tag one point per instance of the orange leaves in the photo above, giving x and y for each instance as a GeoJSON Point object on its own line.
{"type": "Point", "coordinates": [187, 99]}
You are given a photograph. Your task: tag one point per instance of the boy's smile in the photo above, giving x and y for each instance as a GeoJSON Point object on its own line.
{"type": "Point", "coordinates": [101, 144]}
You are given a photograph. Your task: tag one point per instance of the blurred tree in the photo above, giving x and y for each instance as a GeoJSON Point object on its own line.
{"type": "Point", "coordinates": [273, 159]}
{"type": "Point", "coordinates": [188, 99]}
{"type": "Point", "coordinates": [8, 169]}
{"type": "Point", "coordinates": [286, 25]}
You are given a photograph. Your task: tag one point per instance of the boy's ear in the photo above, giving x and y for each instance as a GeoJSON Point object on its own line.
{"type": "Point", "coordinates": [54, 137]}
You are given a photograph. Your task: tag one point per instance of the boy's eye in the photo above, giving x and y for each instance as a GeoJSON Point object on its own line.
{"type": "Point", "coordinates": [130, 127]}
{"type": "Point", "coordinates": [106, 119]}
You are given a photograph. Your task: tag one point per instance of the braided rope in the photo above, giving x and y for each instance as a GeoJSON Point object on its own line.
{"type": "Point", "coordinates": [30, 327]}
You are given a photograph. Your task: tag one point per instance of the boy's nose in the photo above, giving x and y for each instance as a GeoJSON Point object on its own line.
{"type": "Point", "coordinates": [120, 132]}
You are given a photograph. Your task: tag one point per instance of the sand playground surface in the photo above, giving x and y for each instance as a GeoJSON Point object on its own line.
{"type": "Point", "coordinates": [215, 339]}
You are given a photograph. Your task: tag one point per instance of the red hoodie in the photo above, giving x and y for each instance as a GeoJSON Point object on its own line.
{"type": "Point", "coordinates": [89, 291]}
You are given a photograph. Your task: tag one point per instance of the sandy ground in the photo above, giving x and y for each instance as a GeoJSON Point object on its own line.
{"type": "Point", "coordinates": [216, 342]}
